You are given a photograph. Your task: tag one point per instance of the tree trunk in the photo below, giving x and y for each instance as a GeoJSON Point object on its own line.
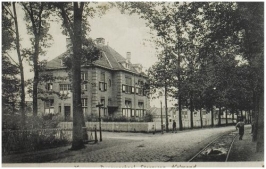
{"type": "Point", "coordinates": [36, 75]}
{"type": "Point", "coordinates": [219, 116]}
{"type": "Point", "coordinates": [249, 117]}
{"type": "Point", "coordinates": [246, 119]}
{"type": "Point", "coordinates": [226, 120]}
{"type": "Point", "coordinates": [180, 114]}
{"type": "Point", "coordinates": [22, 83]}
{"type": "Point", "coordinates": [260, 126]}
{"type": "Point", "coordinates": [166, 112]}
{"type": "Point", "coordinates": [191, 114]}
{"type": "Point", "coordinates": [233, 113]}
{"type": "Point", "coordinates": [179, 83]}
{"type": "Point", "coordinates": [78, 118]}
{"type": "Point", "coordinates": [201, 125]}
{"type": "Point", "coordinates": [212, 116]}
{"type": "Point", "coordinates": [255, 117]}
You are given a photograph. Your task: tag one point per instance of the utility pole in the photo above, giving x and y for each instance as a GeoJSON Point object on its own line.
{"type": "Point", "coordinates": [99, 106]}
{"type": "Point", "coordinates": [161, 117]}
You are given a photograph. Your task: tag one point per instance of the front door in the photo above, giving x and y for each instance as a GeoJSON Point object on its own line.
{"type": "Point", "coordinates": [67, 113]}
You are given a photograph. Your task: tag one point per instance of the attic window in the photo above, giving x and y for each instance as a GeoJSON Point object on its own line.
{"type": "Point", "coordinates": [126, 65]}
{"type": "Point", "coordinates": [62, 62]}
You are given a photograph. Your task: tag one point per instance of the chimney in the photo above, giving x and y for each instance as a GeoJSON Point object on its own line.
{"type": "Point", "coordinates": [100, 41]}
{"type": "Point", "coordinates": [128, 56]}
{"type": "Point", "coordinates": [68, 43]}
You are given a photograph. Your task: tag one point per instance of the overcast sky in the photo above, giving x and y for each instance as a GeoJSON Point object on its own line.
{"type": "Point", "coordinates": [122, 32]}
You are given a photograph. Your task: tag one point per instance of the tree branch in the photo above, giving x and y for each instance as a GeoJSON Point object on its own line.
{"type": "Point", "coordinates": [31, 16]}
{"type": "Point", "coordinates": [66, 20]}
{"type": "Point", "coordinates": [12, 59]}
{"type": "Point", "coordinates": [40, 19]}
{"type": "Point", "coordinates": [9, 12]}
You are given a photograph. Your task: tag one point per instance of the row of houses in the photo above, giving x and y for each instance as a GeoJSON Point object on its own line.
{"type": "Point", "coordinates": [173, 115]}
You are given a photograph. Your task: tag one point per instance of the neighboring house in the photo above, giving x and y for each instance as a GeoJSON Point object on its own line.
{"type": "Point", "coordinates": [112, 80]}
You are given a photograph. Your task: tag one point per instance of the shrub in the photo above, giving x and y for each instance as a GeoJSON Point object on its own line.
{"type": "Point", "coordinates": [148, 117]}
{"type": "Point", "coordinates": [92, 118]}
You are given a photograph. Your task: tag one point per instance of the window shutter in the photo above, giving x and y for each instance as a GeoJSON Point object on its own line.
{"type": "Point", "coordinates": [132, 90]}
{"type": "Point", "coordinates": [105, 86]}
{"type": "Point", "coordinates": [123, 88]}
{"type": "Point", "coordinates": [86, 75]}
{"type": "Point", "coordinates": [99, 85]}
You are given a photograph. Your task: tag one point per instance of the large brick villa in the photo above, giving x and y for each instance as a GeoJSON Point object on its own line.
{"type": "Point", "coordinates": [112, 80]}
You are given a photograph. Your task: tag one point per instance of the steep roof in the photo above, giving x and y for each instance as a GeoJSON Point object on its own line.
{"type": "Point", "coordinates": [110, 59]}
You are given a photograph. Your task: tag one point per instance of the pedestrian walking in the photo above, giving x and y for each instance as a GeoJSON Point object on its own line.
{"type": "Point", "coordinates": [174, 126]}
{"type": "Point", "coordinates": [240, 125]}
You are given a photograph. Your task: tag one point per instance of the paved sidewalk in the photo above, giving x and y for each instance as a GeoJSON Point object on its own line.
{"type": "Point", "coordinates": [245, 150]}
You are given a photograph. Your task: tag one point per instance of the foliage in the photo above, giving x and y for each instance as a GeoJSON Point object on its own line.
{"type": "Point", "coordinates": [47, 121]}
{"type": "Point", "coordinates": [32, 140]}
{"type": "Point", "coordinates": [218, 48]}
{"type": "Point", "coordinates": [10, 83]}
{"type": "Point", "coordinates": [37, 23]}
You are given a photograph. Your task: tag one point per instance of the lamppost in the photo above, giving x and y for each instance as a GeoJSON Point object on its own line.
{"type": "Point", "coordinates": [160, 94]}
{"type": "Point", "coordinates": [212, 122]}
{"type": "Point", "coordinates": [99, 106]}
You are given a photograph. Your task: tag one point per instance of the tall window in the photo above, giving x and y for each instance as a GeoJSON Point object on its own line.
{"type": "Point", "coordinates": [84, 87]}
{"type": "Point", "coordinates": [184, 114]}
{"type": "Point", "coordinates": [102, 84]}
{"type": "Point", "coordinates": [128, 80]}
{"type": "Point", "coordinates": [127, 110]}
{"type": "Point", "coordinates": [84, 102]}
{"type": "Point", "coordinates": [49, 86]}
{"type": "Point", "coordinates": [65, 88]}
{"type": "Point", "coordinates": [84, 75]}
{"type": "Point", "coordinates": [103, 109]}
{"type": "Point", "coordinates": [49, 106]}
{"type": "Point", "coordinates": [140, 110]}
{"type": "Point", "coordinates": [102, 77]}
{"type": "Point", "coordinates": [140, 82]}
{"type": "Point", "coordinates": [127, 88]}
{"type": "Point", "coordinates": [203, 114]}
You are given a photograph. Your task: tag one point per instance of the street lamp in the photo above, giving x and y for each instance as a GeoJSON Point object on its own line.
{"type": "Point", "coordinates": [160, 94]}
{"type": "Point", "coordinates": [99, 106]}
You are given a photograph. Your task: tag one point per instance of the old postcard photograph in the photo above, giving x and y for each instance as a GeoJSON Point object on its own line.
{"type": "Point", "coordinates": [164, 84]}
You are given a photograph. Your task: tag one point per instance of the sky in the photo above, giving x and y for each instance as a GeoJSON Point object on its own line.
{"type": "Point", "coordinates": [122, 32]}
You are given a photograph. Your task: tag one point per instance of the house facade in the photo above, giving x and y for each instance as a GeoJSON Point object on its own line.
{"type": "Point", "coordinates": [112, 81]}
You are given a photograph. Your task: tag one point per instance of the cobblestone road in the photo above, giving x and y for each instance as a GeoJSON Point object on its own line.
{"type": "Point", "coordinates": [130, 147]}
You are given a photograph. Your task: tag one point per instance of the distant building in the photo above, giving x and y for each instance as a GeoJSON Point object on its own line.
{"type": "Point", "coordinates": [173, 114]}
{"type": "Point", "coordinates": [112, 80]}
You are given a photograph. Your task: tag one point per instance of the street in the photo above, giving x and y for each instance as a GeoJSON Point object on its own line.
{"type": "Point", "coordinates": [129, 147]}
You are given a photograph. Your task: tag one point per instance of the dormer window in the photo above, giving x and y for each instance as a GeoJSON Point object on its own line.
{"type": "Point", "coordinates": [127, 66]}
{"type": "Point", "coordinates": [62, 62]}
